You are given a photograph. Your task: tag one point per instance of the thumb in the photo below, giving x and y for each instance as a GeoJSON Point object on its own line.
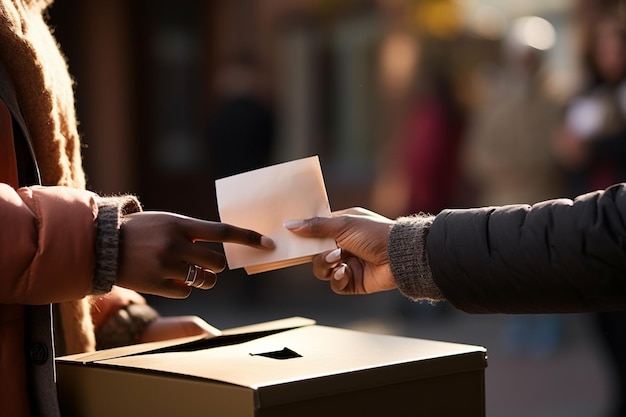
{"type": "Point", "coordinates": [313, 227]}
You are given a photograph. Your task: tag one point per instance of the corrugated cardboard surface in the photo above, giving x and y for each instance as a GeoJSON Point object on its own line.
{"type": "Point", "coordinates": [334, 369]}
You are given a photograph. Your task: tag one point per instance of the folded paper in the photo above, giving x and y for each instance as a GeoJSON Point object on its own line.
{"type": "Point", "coordinates": [262, 200]}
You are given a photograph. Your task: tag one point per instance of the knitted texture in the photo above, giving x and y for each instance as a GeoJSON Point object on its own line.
{"type": "Point", "coordinates": [408, 259]}
{"type": "Point", "coordinates": [110, 213]}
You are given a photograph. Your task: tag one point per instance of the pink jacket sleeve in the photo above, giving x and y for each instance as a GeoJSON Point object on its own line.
{"type": "Point", "coordinates": [47, 244]}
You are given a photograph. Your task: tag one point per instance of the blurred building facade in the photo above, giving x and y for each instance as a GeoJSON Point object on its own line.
{"type": "Point", "coordinates": [336, 74]}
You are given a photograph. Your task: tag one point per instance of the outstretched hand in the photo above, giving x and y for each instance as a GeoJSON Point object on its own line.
{"type": "Point", "coordinates": [360, 265]}
{"type": "Point", "coordinates": [158, 248]}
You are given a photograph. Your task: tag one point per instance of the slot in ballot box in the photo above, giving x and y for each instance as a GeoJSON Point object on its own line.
{"type": "Point", "coordinates": [290, 367]}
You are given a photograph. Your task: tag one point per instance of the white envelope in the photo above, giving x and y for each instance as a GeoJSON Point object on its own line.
{"type": "Point", "coordinates": [262, 200]}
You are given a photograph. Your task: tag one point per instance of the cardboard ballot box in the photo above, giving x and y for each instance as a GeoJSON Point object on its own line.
{"type": "Point", "coordinates": [292, 367]}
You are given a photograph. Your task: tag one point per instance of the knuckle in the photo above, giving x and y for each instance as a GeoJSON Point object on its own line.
{"type": "Point", "coordinates": [222, 231]}
{"type": "Point", "coordinates": [220, 265]}
{"type": "Point", "coordinates": [316, 225]}
{"type": "Point", "coordinates": [215, 262]}
{"type": "Point", "coordinates": [169, 246]}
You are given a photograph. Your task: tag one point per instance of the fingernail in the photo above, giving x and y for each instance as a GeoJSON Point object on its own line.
{"type": "Point", "coordinates": [267, 242]}
{"type": "Point", "coordinates": [292, 224]}
{"type": "Point", "coordinates": [334, 256]}
{"type": "Point", "coordinates": [340, 272]}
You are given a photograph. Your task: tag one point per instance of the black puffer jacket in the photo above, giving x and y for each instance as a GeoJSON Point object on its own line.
{"type": "Point", "coordinates": [555, 256]}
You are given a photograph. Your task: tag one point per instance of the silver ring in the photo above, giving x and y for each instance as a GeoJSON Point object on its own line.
{"type": "Point", "coordinates": [201, 283]}
{"type": "Point", "coordinates": [192, 273]}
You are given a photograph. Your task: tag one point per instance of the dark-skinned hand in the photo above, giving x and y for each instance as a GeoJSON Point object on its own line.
{"type": "Point", "coordinates": [157, 249]}
{"type": "Point", "coordinates": [360, 265]}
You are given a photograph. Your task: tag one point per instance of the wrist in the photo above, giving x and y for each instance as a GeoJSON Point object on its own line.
{"type": "Point", "coordinates": [108, 222]}
{"type": "Point", "coordinates": [408, 259]}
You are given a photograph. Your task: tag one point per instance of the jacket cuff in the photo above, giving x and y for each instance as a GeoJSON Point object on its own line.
{"type": "Point", "coordinates": [408, 259]}
{"type": "Point", "coordinates": [110, 213]}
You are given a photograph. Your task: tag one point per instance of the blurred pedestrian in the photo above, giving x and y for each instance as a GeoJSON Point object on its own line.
{"type": "Point", "coordinates": [508, 159]}
{"type": "Point", "coordinates": [592, 148]}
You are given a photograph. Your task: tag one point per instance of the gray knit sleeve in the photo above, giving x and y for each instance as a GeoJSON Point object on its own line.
{"type": "Point", "coordinates": [110, 212]}
{"type": "Point", "coordinates": [408, 259]}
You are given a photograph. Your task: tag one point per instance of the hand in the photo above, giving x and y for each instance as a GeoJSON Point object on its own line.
{"type": "Point", "coordinates": [156, 249]}
{"type": "Point", "coordinates": [106, 305]}
{"type": "Point", "coordinates": [162, 328]}
{"type": "Point", "coordinates": [165, 328]}
{"type": "Point", "coordinates": [361, 264]}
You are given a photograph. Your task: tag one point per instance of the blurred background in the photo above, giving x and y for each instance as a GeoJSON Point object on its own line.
{"type": "Point", "coordinates": [412, 105]}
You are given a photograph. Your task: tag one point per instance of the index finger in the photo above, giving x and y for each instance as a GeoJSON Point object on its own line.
{"type": "Point", "coordinates": [208, 231]}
